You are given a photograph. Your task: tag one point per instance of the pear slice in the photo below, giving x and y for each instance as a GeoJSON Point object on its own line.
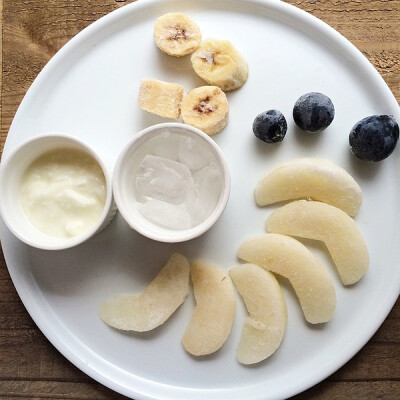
{"type": "Point", "coordinates": [314, 178]}
{"type": "Point", "coordinates": [265, 326]}
{"type": "Point", "coordinates": [290, 258]}
{"type": "Point", "coordinates": [320, 221]}
{"type": "Point", "coordinates": [155, 304]}
{"type": "Point", "coordinates": [213, 315]}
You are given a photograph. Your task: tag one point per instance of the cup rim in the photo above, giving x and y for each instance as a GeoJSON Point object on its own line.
{"type": "Point", "coordinates": [164, 234]}
{"type": "Point", "coordinates": [60, 243]}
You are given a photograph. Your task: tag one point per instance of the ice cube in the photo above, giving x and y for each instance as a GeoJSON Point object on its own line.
{"type": "Point", "coordinates": [162, 179]}
{"type": "Point", "coordinates": [166, 145]}
{"type": "Point", "coordinates": [167, 215]}
{"type": "Point", "coordinates": [203, 195]}
{"type": "Point", "coordinates": [193, 154]}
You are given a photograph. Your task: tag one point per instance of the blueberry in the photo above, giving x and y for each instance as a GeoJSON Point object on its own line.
{"type": "Point", "coordinates": [374, 138]}
{"type": "Point", "coordinates": [313, 112]}
{"type": "Point", "coordinates": [270, 126]}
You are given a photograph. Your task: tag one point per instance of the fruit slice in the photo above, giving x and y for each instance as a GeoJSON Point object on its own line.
{"type": "Point", "coordinates": [160, 98]}
{"type": "Point", "coordinates": [290, 258]}
{"type": "Point", "coordinates": [314, 178]}
{"type": "Point", "coordinates": [265, 327]}
{"type": "Point", "coordinates": [320, 221]}
{"type": "Point", "coordinates": [206, 108]}
{"type": "Point", "coordinates": [176, 34]}
{"type": "Point", "coordinates": [213, 316]}
{"type": "Point", "coordinates": [220, 64]}
{"type": "Point", "coordinates": [155, 304]}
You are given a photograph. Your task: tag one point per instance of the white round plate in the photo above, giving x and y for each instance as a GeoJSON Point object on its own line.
{"type": "Point", "coordinates": [89, 89]}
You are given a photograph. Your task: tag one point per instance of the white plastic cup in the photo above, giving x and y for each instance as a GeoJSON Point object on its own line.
{"type": "Point", "coordinates": [12, 171]}
{"type": "Point", "coordinates": [124, 192]}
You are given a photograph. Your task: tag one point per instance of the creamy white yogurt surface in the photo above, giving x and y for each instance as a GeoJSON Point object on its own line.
{"type": "Point", "coordinates": [63, 192]}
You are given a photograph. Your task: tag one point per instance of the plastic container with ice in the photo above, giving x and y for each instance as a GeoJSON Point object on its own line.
{"type": "Point", "coordinates": [171, 183]}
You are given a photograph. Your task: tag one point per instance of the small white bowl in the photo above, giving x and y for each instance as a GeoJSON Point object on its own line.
{"type": "Point", "coordinates": [124, 184]}
{"type": "Point", "coordinates": [11, 173]}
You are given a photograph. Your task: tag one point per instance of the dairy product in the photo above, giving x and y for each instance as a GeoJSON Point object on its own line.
{"type": "Point", "coordinates": [63, 192]}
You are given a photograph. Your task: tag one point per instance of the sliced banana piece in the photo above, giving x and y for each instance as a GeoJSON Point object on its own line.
{"type": "Point", "coordinates": [290, 258]}
{"type": "Point", "coordinates": [155, 304]}
{"type": "Point", "coordinates": [213, 316]}
{"type": "Point", "coordinates": [160, 98]}
{"type": "Point", "coordinates": [220, 64]}
{"type": "Point", "coordinates": [265, 326]}
{"type": "Point", "coordinates": [315, 178]}
{"type": "Point", "coordinates": [320, 221]}
{"type": "Point", "coordinates": [206, 108]}
{"type": "Point", "coordinates": [176, 34]}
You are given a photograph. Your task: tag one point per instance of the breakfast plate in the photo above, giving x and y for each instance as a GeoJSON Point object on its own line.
{"type": "Point", "coordinates": [89, 90]}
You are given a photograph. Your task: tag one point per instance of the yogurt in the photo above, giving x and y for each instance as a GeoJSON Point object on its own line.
{"type": "Point", "coordinates": [63, 192]}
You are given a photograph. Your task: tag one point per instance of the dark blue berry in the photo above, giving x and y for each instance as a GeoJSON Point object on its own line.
{"type": "Point", "coordinates": [313, 112]}
{"type": "Point", "coordinates": [374, 138]}
{"type": "Point", "coordinates": [270, 126]}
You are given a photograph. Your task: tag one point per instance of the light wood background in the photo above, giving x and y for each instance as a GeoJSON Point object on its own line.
{"type": "Point", "coordinates": [32, 32]}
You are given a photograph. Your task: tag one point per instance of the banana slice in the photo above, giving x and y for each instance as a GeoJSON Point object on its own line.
{"type": "Point", "coordinates": [314, 178]}
{"type": "Point", "coordinates": [213, 316]}
{"type": "Point", "coordinates": [206, 108]}
{"type": "Point", "coordinates": [288, 257]}
{"type": "Point", "coordinates": [220, 64]}
{"type": "Point", "coordinates": [155, 304]}
{"type": "Point", "coordinates": [176, 34]}
{"type": "Point", "coordinates": [160, 98]}
{"type": "Point", "coordinates": [320, 221]}
{"type": "Point", "coordinates": [265, 327]}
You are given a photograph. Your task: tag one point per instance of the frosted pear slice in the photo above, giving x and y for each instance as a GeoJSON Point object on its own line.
{"type": "Point", "coordinates": [290, 258]}
{"type": "Point", "coordinates": [214, 313]}
{"type": "Point", "coordinates": [320, 221]}
{"type": "Point", "coordinates": [155, 304]}
{"type": "Point", "coordinates": [265, 326]}
{"type": "Point", "coordinates": [314, 178]}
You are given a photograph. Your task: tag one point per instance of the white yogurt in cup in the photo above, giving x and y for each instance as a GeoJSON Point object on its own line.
{"type": "Point", "coordinates": [55, 192]}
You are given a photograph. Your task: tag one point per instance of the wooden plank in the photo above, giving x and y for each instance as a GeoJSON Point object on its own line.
{"type": "Point", "coordinates": [12, 390]}
{"type": "Point", "coordinates": [384, 390]}
{"type": "Point", "coordinates": [20, 389]}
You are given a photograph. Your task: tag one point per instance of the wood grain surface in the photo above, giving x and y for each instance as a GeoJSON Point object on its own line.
{"type": "Point", "coordinates": [33, 31]}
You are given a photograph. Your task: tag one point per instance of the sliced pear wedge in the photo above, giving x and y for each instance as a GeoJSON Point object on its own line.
{"type": "Point", "coordinates": [314, 178]}
{"type": "Point", "coordinates": [155, 304]}
{"type": "Point", "coordinates": [290, 258]}
{"type": "Point", "coordinates": [265, 326]}
{"type": "Point", "coordinates": [320, 221]}
{"type": "Point", "coordinates": [214, 313]}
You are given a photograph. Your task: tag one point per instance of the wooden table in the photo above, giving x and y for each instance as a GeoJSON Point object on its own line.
{"type": "Point", "coordinates": [33, 31]}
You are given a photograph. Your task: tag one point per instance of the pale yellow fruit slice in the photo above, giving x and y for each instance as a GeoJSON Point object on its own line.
{"type": "Point", "coordinates": [160, 98]}
{"type": "Point", "coordinates": [206, 108]}
{"type": "Point", "coordinates": [320, 221]}
{"type": "Point", "coordinates": [214, 313]}
{"type": "Point", "coordinates": [265, 326]}
{"type": "Point", "coordinates": [155, 304]}
{"type": "Point", "coordinates": [220, 64]}
{"type": "Point", "coordinates": [315, 178]}
{"type": "Point", "coordinates": [176, 34]}
{"type": "Point", "coordinates": [290, 258]}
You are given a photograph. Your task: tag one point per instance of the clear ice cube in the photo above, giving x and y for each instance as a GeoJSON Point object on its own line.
{"type": "Point", "coordinates": [193, 154]}
{"type": "Point", "coordinates": [204, 193]}
{"type": "Point", "coordinates": [162, 179]}
{"type": "Point", "coordinates": [166, 145]}
{"type": "Point", "coordinates": [167, 215]}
